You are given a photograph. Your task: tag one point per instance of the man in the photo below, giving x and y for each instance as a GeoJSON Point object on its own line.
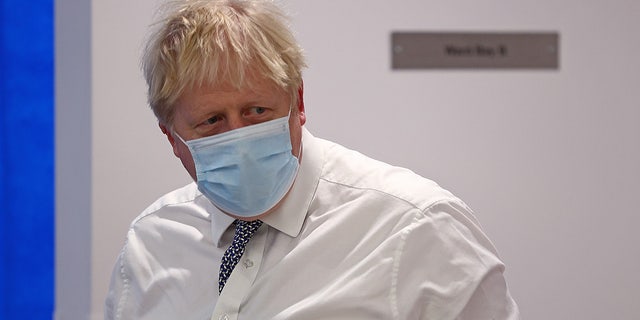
{"type": "Point", "coordinates": [280, 224]}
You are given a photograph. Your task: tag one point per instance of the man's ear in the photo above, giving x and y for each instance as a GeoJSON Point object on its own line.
{"type": "Point", "coordinates": [301, 114]}
{"type": "Point", "coordinates": [171, 139]}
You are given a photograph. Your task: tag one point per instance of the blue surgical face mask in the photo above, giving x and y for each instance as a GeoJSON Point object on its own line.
{"type": "Point", "coordinates": [247, 171]}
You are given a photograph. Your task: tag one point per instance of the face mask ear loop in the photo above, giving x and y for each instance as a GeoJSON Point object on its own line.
{"type": "Point", "coordinates": [173, 132]}
{"type": "Point", "coordinates": [299, 149]}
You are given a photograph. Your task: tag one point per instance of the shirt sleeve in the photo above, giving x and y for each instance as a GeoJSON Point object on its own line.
{"type": "Point", "coordinates": [116, 291]}
{"type": "Point", "coordinates": [123, 298]}
{"type": "Point", "coordinates": [447, 268]}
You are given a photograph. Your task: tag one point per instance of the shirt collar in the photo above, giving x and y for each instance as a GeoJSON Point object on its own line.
{"type": "Point", "coordinates": [220, 222]}
{"type": "Point", "coordinates": [290, 215]}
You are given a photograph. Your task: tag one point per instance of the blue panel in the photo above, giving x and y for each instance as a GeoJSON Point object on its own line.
{"type": "Point", "coordinates": [26, 160]}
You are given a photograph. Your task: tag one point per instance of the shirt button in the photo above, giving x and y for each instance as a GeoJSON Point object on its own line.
{"type": "Point", "coordinates": [248, 263]}
{"type": "Point", "coordinates": [223, 317]}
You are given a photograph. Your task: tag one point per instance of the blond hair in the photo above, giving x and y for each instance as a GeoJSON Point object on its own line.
{"type": "Point", "coordinates": [214, 42]}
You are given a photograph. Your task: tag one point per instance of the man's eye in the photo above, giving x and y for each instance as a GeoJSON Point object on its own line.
{"type": "Point", "coordinates": [259, 110]}
{"type": "Point", "coordinates": [212, 120]}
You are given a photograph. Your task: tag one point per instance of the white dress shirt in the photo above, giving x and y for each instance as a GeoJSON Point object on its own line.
{"type": "Point", "coordinates": [354, 239]}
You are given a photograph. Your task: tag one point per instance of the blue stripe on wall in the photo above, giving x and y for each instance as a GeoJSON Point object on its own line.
{"type": "Point", "coordinates": [26, 160]}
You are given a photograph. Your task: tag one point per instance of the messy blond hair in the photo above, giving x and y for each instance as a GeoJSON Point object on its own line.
{"type": "Point", "coordinates": [214, 42]}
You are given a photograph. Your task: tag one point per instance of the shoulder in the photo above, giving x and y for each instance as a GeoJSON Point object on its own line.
{"type": "Point", "coordinates": [352, 169]}
{"type": "Point", "coordinates": [154, 250]}
{"type": "Point", "coordinates": [178, 206]}
{"type": "Point", "coordinates": [183, 195]}
{"type": "Point", "coordinates": [180, 214]}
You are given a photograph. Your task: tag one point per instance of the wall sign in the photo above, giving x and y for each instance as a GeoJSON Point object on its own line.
{"type": "Point", "coordinates": [474, 50]}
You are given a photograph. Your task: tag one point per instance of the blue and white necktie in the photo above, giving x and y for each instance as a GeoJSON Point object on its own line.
{"type": "Point", "coordinates": [244, 232]}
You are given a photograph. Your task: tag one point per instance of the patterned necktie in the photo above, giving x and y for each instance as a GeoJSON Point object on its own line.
{"type": "Point", "coordinates": [244, 232]}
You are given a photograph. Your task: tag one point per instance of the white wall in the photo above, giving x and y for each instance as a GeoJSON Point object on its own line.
{"type": "Point", "coordinates": [549, 160]}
